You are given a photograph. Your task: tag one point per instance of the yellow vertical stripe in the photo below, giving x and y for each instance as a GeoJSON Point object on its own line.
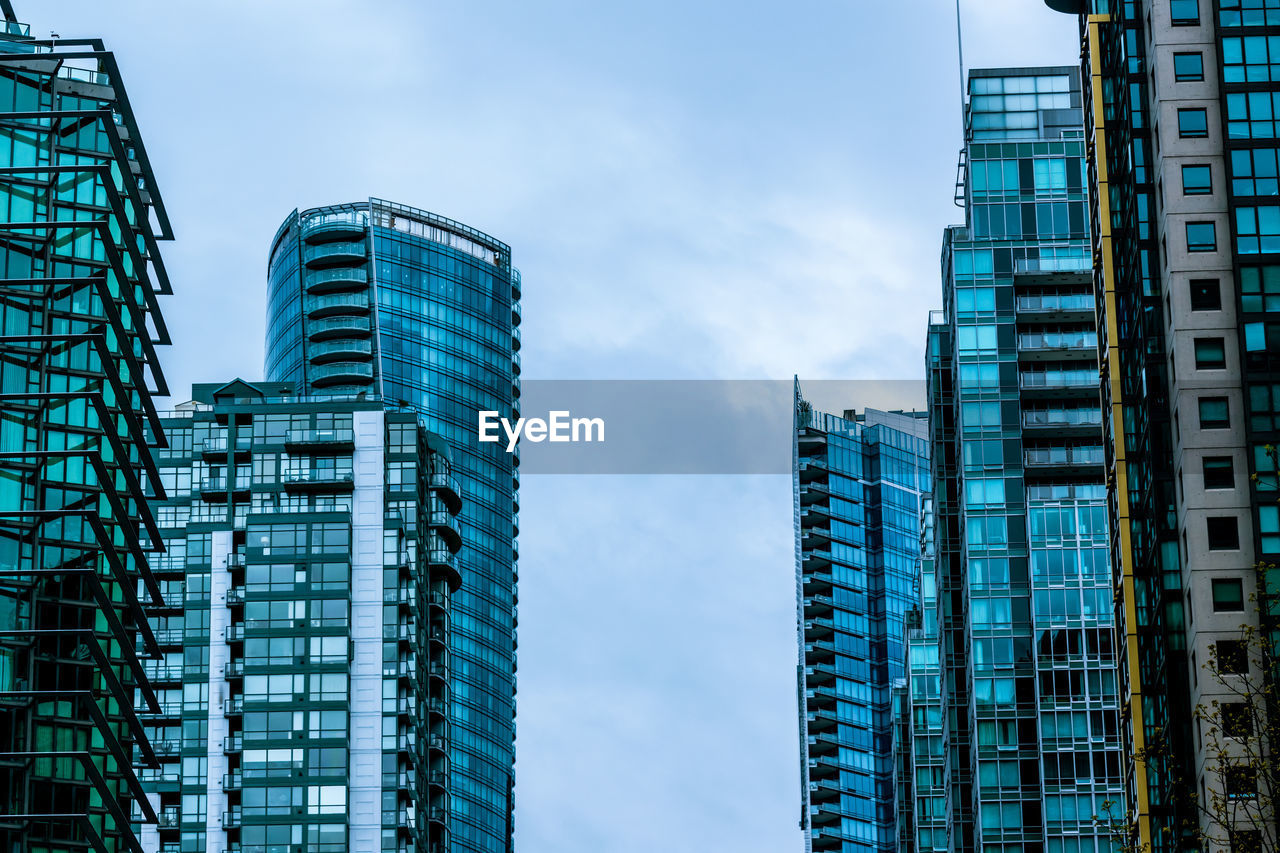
{"type": "Point", "coordinates": [1105, 270]}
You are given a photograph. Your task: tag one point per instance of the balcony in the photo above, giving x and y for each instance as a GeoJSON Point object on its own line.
{"type": "Point", "coordinates": [1056, 306]}
{"type": "Point", "coordinates": [232, 781]}
{"type": "Point", "coordinates": [1064, 457]}
{"type": "Point", "coordinates": [1066, 421]}
{"type": "Point", "coordinates": [318, 480]}
{"type": "Point", "coordinates": [162, 672]}
{"type": "Point", "coordinates": [233, 669]}
{"type": "Point", "coordinates": [347, 281]}
{"type": "Point", "coordinates": [169, 636]}
{"type": "Point", "coordinates": [444, 525]}
{"type": "Point", "coordinates": [1058, 345]}
{"type": "Point", "coordinates": [341, 373]}
{"type": "Point", "coordinates": [233, 706]}
{"type": "Point", "coordinates": [813, 470]}
{"type": "Point", "coordinates": [406, 634]}
{"type": "Point", "coordinates": [168, 747]}
{"type": "Point", "coordinates": [235, 596]}
{"type": "Point", "coordinates": [337, 303]}
{"type": "Point", "coordinates": [339, 327]}
{"type": "Point", "coordinates": [231, 819]}
{"type": "Point", "coordinates": [1059, 383]}
{"type": "Point", "coordinates": [167, 709]}
{"type": "Point", "coordinates": [443, 563]}
{"type": "Point", "coordinates": [232, 744]}
{"type": "Point", "coordinates": [325, 441]}
{"type": "Point", "coordinates": [332, 254]}
{"type": "Point", "coordinates": [446, 486]}
{"type": "Point", "coordinates": [340, 349]}
{"type": "Point", "coordinates": [515, 339]}
{"type": "Point", "coordinates": [170, 818]}
{"type": "Point", "coordinates": [215, 489]}
{"type": "Point", "coordinates": [234, 633]}
{"type": "Point", "coordinates": [335, 225]}
{"type": "Point", "coordinates": [516, 313]}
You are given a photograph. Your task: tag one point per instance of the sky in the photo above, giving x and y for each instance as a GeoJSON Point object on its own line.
{"type": "Point", "coordinates": [692, 190]}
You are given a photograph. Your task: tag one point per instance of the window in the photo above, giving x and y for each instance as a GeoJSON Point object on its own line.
{"type": "Point", "coordinates": [1232, 657]}
{"type": "Point", "coordinates": [1223, 536]}
{"type": "Point", "coordinates": [1252, 115]}
{"type": "Point", "coordinates": [1193, 123]}
{"type": "Point", "coordinates": [1197, 180]}
{"type": "Point", "coordinates": [1246, 841]}
{"type": "Point", "coordinates": [1236, 720]}
{"type": "Point", "coordinates": [1228, 595]}
{"type": "Point", "coordinates": [1184, 12]}
{"type": "Point", "coordinates": [1241, 782]}
{"type": "Point", "coordinates": [1260, 289]}
{"type": "Point", "coordinates": [1219, 473]}
{"type": "Point", "coordinates": [1206, 295]}
{"type": "Point", "coordinates": [1258, 228]}
{"type": "Point", "coordinates": [1214, 413]}
{"type": "Point", "coordinates": [1255, 171]}
{"type": "Point", "coordinates": [1188, 67]}
{"type": "Point", "coordinates": [1202, 237]}
{"type": "Point", "coordinates": [1211, 354]}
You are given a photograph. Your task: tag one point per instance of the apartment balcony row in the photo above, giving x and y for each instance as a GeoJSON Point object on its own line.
{"type": "Point", "coordinates": [217, 448]}
{"type": "Point", "coordinates": [1064, 457]}
{"type": "Point", "coordinates": [1056, 306]}
{"type": "Point", "coordinates": [318, 480]}
{"type": "Point", "coordinates": [347, 326]}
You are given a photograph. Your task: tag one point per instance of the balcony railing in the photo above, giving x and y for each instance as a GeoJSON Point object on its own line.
{"type": "Point", "coordinates": [1054, 456]}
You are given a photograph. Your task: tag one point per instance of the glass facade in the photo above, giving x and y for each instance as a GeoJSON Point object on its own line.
{"type": "Point", "coordinates": [425, 312]}
{"type": "Point", "coordinates": [80, 217]}
{"type": "Point", "coordinates": [857, 486]}
{"type": "Point", "coordinates": [304, 688]}
{"type": "Point", "coordinates": [1020, 685]}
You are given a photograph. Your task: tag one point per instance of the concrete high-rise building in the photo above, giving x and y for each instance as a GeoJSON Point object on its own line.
{"type": "Point", "coordinates": [424, 312]}
{"type": "Point", "coordinates": [1181, 101]}
{"type": "Point", "coordinates": [80, 218]}
{"type": "Point", "coordinates": [1025, 654]}
{"type": "Point", "coordinates": [858, 479]}
{"type": "Point", "coordinates": [303, 695]}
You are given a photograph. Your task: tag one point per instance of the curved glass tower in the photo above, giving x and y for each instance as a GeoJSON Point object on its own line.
{"type": "Point", "coordinates": [424, 311]}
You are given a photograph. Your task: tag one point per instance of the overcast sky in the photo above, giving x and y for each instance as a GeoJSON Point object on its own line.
{"type": "Point", "coordinates": [705, 189]}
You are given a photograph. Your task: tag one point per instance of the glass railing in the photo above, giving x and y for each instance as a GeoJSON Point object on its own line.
{"type": "Point", "coordinates": [1057, 340]}
{"type": "Point", "coordinates": [338, 302]}
{"type": "Point", "coordinates": [1058, 378]}
{"type": "Point", "coordinates": [354, 369]}
{"type": "Point", "coordinates": [318, 475]}
{"type": "Point", "coordinates": [1056, 302]}
{"type": "Point", "coordinates": [1030, 265]}
{"type": "Point", "coordinates": [336, 219]}
{"type": "Point", "coordinates": [321, 436]}
{"type": "Point", "coordinates": [341, 249]}
{"type": "Point", "coordinates": [1065, 456]}
{"type": "Point", "coordinates": [344, 347]}
{"type": "Point", "coordinates": [1062, 417]}
{"type": "Point", "coordinates": [355, 325]}
{"type": "Point", "coordinates": [336, 277]}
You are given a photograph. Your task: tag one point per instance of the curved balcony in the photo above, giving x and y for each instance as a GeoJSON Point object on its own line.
{"type": "Point", "coordinates": [327, 227]}
{"type": "Point", "coordinates": [442, 523]}
{"type": "Point", "coordinates": [341, 373]}
{"type": "Point", "coordinates": [515, 363]}
{"type": "Point", "coordinates": [443, 564]}
{"type": "Point", "coordinates": [333, 254]}
{"type": "Point", "coordinates": [516, 286]}
{"type": "Point", "coordinates": [446, 486]}
{"type": "Point", "coordinates": [515, 339]}
{"type": "Point", "coordinates": [343, 349]}
{"type": "Point", "coordinates": [337, 280]}
{"type": "Point", "coordinates": [516, 314]}
{"type": "Point", "coordinates": [338, 303]}
{"type": "Point", "coordinates": [339, 327]}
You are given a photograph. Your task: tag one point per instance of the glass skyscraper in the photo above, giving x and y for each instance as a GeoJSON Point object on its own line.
{"type": "Point", "coordinates": [1026, 663]}
{"type": "Point", "coordinates": [80, 217]}
{"type": "Point", "coordinates": [303, 694]}
{"type": "Point", "coordinates": [424, 312]}
{"type": "Point", "coordinates": [857, 482]}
